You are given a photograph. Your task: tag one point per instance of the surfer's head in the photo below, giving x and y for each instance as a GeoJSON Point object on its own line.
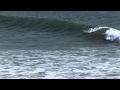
{"type": "Point", "coordinates": [90, 27]}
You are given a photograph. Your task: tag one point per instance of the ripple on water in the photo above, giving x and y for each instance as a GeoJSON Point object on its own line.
{"type": "Point", "coordinates": [58, 64]}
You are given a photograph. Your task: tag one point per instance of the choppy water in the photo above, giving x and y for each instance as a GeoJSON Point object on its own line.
{"type": "Point", "coordinates": [53, 44]}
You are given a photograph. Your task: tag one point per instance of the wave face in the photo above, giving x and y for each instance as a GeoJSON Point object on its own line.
{"type": "Point", "coordinates": [19, 32]}
{"type": "Point", "coordinates": [37, 32]}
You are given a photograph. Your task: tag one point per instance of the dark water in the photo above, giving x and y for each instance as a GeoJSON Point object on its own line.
{"type": "Point", "coordinates": [53, 44]}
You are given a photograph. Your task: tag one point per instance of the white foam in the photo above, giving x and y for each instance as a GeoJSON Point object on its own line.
{"type": "Point", "coordinates": [111, 34]}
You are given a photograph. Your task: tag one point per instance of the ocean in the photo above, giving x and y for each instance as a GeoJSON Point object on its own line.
{"type": "Point", "coordinates": [55, 45]}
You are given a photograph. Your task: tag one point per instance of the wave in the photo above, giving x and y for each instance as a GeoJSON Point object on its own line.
{"type": "Point", "coordinates": [71, 29]}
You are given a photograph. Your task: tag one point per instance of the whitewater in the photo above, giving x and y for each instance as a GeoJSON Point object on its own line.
{"type": "Point", "coordinates": [109, 33]}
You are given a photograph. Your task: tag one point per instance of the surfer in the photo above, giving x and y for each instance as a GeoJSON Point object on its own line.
{"type": "Point", "coordinates": [91, 27]}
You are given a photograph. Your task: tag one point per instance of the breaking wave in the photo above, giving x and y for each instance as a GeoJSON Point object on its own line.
{"type": "Point", "coordinates": [65, 28]}
{"type": "Point", "coordinates": [109, 33]}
